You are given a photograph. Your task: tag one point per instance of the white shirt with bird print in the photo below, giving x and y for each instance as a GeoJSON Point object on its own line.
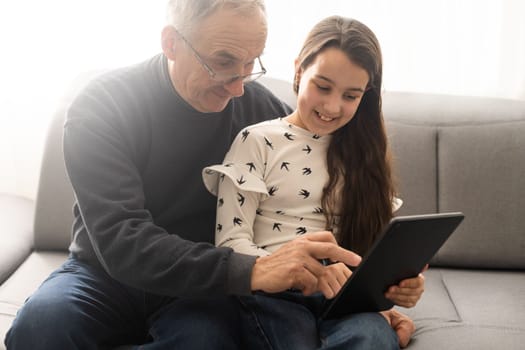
{"type": "Point", "coordinates": [269, 187]}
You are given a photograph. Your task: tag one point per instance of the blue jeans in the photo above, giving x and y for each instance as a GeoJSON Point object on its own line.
{"type": "Point", "coordinates": [291, 321]}
{"type": "Point", "coordinates": [80, 307]}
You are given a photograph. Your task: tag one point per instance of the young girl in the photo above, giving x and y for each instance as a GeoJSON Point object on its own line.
{"type": "Point", "coordinates": [326, 166]}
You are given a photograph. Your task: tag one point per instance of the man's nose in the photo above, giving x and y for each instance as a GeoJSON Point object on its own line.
{"type": "Point", "coordinates": [235, 88]}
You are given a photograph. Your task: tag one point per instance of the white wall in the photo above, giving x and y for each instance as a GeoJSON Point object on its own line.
{"type": "Point", "coordinates": [466, 47]}
{"type": "Point", "coordinates": [44, 45]}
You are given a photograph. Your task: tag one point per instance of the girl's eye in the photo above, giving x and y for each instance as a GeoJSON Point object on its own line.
{"type": "Point", "coordinates": [350, 97]}
{"type": "Point", "coordinates": [322, 88]}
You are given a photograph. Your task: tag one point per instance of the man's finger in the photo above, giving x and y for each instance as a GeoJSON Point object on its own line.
{"type": "Point", "coordinates": [321, 236]}
{"type": "Point", "coordinates": [326, 250]}
{"type": "Point", "coordinates": [306, 282]}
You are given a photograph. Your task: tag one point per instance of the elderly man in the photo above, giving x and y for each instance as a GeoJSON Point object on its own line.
{"type": "Point", "coordinates": [142, 269]}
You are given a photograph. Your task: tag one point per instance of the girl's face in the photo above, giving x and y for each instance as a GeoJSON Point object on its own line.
{"type": "Point", "coordinates": [330, 90]}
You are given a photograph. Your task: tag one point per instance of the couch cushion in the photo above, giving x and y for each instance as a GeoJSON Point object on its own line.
{"type": "Point", "coordinates": [470, 309]}
{"type": "Point", "coordinates": [414, 166]}
{"type": "Point", "coordinates": [464, 337]}
{"type": "Point", "coordinates": [482, 173]}
{"type": "Point", "coordinates": [22, 283]}
{"type": "Point", "coordinates": [281, 88]}
{"type": "Point", "coordinates": [16, 232]}
{"type": "Point", "coordinates": [479, 161]}
{"type": "Point", "coordinates": [54, 204]}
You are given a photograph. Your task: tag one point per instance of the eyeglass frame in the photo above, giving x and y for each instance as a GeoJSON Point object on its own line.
{"type": "Point", "coordinates": [213, 75]}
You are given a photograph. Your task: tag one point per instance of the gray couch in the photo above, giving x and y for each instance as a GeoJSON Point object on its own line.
{"type": "Point", "coordinates": [452, 154]}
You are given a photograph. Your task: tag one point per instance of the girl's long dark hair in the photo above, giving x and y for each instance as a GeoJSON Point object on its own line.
{"type": "Point", "coordinates": [358, 158]}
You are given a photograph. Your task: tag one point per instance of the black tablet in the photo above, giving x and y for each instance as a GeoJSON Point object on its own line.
{"type": "Point", "coordinates": [402, 251]}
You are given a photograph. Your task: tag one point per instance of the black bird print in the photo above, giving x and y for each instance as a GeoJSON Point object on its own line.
{"type": "Point", "coordinates": [222, 177]}
{"type": "Point", "coordinates": [237, 221]}
{"type": "Point", "coordinates": [245, 134]}
{"type": "Point", "coordinates": [268, 143]}
{"type": "Point", "coordinates": [272, 190]}
{"type": "Point", "coordinates": [318, 210]}
{"type": "Point", "coordinates": [252, 166]}
{"type": "Point", "coordinates": [307, 149]}
{"type": "Point", "coordinates": [289, 136]}
{"type": "Point", "coordinates": [284, 165]}
{"type": "Point", "coordinates": [277, 226]}
{"type": "Point", "coordinates": [221, 202]}
{"type": "Point", "coordinates": [304, 193]}
{"type": "Point", "coordinates": [258, 212]}
{"type": "Point", "coordinates": [240, 199]}
{"type": "Point", "coordinates": [307, 171]}
{"type": "Point", "coordinates": [228, 165]}
{"type": "Point", "coordinates": [219, 227]}
{"type": "Point", "coordinates": [241, 181]}
{"type": "Point", "coordinates": [300, 230]}
{"type": "Point", "coordinates": [316, 137]}
{"type": "Point", "coordinates": [280, 212]}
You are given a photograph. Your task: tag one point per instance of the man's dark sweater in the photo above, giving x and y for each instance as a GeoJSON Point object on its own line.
{"type": "Point", "coordinates": [134, 151]}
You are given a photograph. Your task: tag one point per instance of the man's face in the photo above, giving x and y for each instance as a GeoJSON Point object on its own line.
{"type": "Point", "coordinates": [228, 43]}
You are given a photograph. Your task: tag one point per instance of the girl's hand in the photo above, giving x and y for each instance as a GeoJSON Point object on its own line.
{"type": "Point", "coordinates": [408, 292]}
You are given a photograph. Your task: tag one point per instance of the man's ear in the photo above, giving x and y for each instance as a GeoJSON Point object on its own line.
{"type": "Point", "coordinates": [169, 40]}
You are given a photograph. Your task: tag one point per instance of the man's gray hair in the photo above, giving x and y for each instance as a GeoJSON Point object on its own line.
{"type": "Point", "coordinates": [185, 14]}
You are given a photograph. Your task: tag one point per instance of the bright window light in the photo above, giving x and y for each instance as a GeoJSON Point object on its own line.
{"type": "Point", "coordinates": [467, 47]}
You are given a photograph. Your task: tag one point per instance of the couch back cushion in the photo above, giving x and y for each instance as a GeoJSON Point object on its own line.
{"type": "Point", "coordinates": [464, 154]}
{"type": "Point", "coordinates": [54, 202]}
{"type": "Point", "coordinates": [451, 154]}
{"type": "Point", "coordinates": [482, 169]}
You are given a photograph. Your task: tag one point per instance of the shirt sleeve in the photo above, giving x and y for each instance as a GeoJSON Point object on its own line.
{"type": "Point", "coordinates": [396, 204]}
{"type": "Point", "coordinates": [236, 211]}
{"type": "Point", "coordinates": [239, 186]}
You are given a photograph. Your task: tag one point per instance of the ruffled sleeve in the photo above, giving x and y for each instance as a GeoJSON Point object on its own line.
{"type": "Point", "coordinates": [239, 175]}
{"type": "Point", "coordinates": [238, 196]}
{"type": "Point", "coordinates": [239, 186]}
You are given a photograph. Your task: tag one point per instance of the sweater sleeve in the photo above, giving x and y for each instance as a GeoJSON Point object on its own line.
{"type": "Point", "coordinates": [121, 235]}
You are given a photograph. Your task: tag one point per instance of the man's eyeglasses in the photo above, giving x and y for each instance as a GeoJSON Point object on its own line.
{"type": "Point", "coordinates": [225, 77]}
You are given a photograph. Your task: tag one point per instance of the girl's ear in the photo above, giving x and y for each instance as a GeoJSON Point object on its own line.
{"type": "Point", "coordinates": [169, 41]}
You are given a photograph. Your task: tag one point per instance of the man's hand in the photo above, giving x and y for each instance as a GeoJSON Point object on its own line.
{"type": "Point", "coordinates": [297, 265]}
{"type": "Point", "coordinates": [401, 324]}
{"type": "Point", "coordinates": [408, 292]}
{"type": "Point", "coordinates": [333, 279]}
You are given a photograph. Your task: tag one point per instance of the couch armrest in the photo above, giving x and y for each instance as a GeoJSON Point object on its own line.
{"type": "Point", "coordinates": [16, 232]}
